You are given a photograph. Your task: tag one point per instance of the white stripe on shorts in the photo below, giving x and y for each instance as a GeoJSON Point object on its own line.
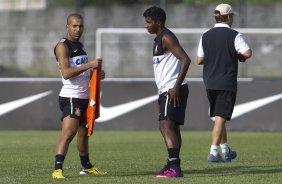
{"type": "Point", "coordinates": [71, 105]}
{"type": "Point", "coordinates": [166, 104]}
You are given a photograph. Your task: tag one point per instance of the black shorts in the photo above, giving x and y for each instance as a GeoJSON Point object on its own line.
{"type": "Point", "coordinates": [73, 107]}
{"type": "Point", "coordinates": [221, 103]}
{"type": "Point", "coordinates": [176, 114]}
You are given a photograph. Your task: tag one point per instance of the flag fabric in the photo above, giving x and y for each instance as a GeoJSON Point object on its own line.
{"type": "Point", "coordinates": [93, 109]}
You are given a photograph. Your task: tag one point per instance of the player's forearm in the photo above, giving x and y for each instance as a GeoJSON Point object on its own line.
{"type": "Point", "coordinates": [75, 71]}
{"type": "Point", "coordinates": [199, 60]}
{"type": "Point", "coordinates": [185, 63]}
{"type": "Point", "coordinates": [247, 54]}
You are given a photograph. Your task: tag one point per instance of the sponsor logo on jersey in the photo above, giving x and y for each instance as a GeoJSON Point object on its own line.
{"type": "Point", "coordinates": [156, 60]}
{"type": "Point", "coordinates": [81, 60]}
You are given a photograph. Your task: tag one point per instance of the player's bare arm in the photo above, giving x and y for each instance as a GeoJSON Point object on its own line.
{"type": "Point", "coordinates": [62, 54]}
{"type": "Point", "coordinates": [171, 45]}
{"type": "Point", "coordinates": [243, 57]}
{"type": "Point", "coordinates": [199, 60]}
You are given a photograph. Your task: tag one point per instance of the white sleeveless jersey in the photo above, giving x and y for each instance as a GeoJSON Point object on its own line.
{"type": "Point", "coordinates": [76, 87]}
{"type": "Point", "coordinates": [166, 65]}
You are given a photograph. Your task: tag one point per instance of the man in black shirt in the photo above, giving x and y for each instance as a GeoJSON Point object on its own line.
{"type": "Point", "coordinates": [219, 50]}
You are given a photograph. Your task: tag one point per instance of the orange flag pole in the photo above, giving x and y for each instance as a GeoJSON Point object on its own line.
{"type": "Point", "coordinates": [93, 109]}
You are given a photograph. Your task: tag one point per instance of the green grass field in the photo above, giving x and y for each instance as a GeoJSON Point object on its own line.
{"type": "Point", "coordinates": [133, 156]}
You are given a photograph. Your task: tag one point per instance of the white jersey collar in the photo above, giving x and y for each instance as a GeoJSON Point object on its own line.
{"type": "Point", "coordinates": [221, 25]}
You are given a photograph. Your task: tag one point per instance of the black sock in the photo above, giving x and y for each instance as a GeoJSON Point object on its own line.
{"type": "Point", "coordinates": [59, 160]}
{"type": "Point", "coordinates": [85, 162]}
{"type": "Point", "coordinates": [173, 153]}
{"type": "Point", "coordinates": [173, 156]}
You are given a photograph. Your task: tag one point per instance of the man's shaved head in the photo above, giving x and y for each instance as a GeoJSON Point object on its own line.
{"type": "Point", "coordinates": [74, 15]}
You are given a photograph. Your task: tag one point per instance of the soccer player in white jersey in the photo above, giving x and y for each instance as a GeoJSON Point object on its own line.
{"type": "Point", "coordinates": [74, 96]}
{"type": "Point", "coordinates": [170, 63]}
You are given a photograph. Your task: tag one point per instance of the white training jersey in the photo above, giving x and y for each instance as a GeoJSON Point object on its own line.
{"type": "Point", "coordinates": [166, 65]}
{"type": "Point", "coordinates": [76, 87]}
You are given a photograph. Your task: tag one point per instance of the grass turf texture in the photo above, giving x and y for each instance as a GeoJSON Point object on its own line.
{"type": "Point", "coordinates": [134, 156]}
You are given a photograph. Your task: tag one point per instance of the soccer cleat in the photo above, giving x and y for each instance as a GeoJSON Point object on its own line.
{"type": "Point", "coordinates": [165, 168]}
{"type": "Point", "coordinates": [171, 173]}
{"type": "Point", "coordinates": [215, 159]}
{"type": "Point", "coordinates": [229, 156]}
{"type": "Point", "coordinates": [92, 170]}
{"type": "Point", "coordinates": [58, 174]}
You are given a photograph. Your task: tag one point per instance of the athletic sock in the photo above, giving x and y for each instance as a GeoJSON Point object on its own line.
{"type": "Point", "coordinates": [214, 150]}
{"type": "Point", "coordinates": [224, 148]}
{"type": "Point", "coordinates": [85, 161]}
{"type": "Point", "coordinates": [173, 153]}
{"type": "Point", "coordinates": [59, 160]}
{"type": "Point", "coordinates": [173, 158]}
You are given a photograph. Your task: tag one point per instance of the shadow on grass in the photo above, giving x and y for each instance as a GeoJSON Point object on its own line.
{"type": "Point", "coordinates": [116, 174]}
{"type": "Point", "coordinates": [223, 169]}
{"type": "Point", "coordinates": [214, 169]}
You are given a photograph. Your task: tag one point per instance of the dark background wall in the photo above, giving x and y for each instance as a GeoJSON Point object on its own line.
{"type": "Point", "coordinates": [43, 113]}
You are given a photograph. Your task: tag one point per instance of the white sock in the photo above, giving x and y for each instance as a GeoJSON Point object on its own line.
{"type": "Point", "coordinates": [214, 150]}
{"type": "Point", "coordinates": [224, 148]}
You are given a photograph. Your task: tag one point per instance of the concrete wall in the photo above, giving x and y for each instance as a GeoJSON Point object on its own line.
{"type": "Point", "coordinates": [27, 38]}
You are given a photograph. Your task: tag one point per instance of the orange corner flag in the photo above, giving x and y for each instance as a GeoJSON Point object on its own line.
{"type": "Point", "coordinates": [93, 109]}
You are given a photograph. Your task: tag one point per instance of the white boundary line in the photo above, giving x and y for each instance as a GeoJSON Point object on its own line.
{"type": "Point", "coordinates": [153, 80]}
{"type": "Point", "coordinates": [101, 31]}
{"type": "Point", "coordinates": [29, 79]}
{"type": "Point", "coordinates": [106, 80]}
